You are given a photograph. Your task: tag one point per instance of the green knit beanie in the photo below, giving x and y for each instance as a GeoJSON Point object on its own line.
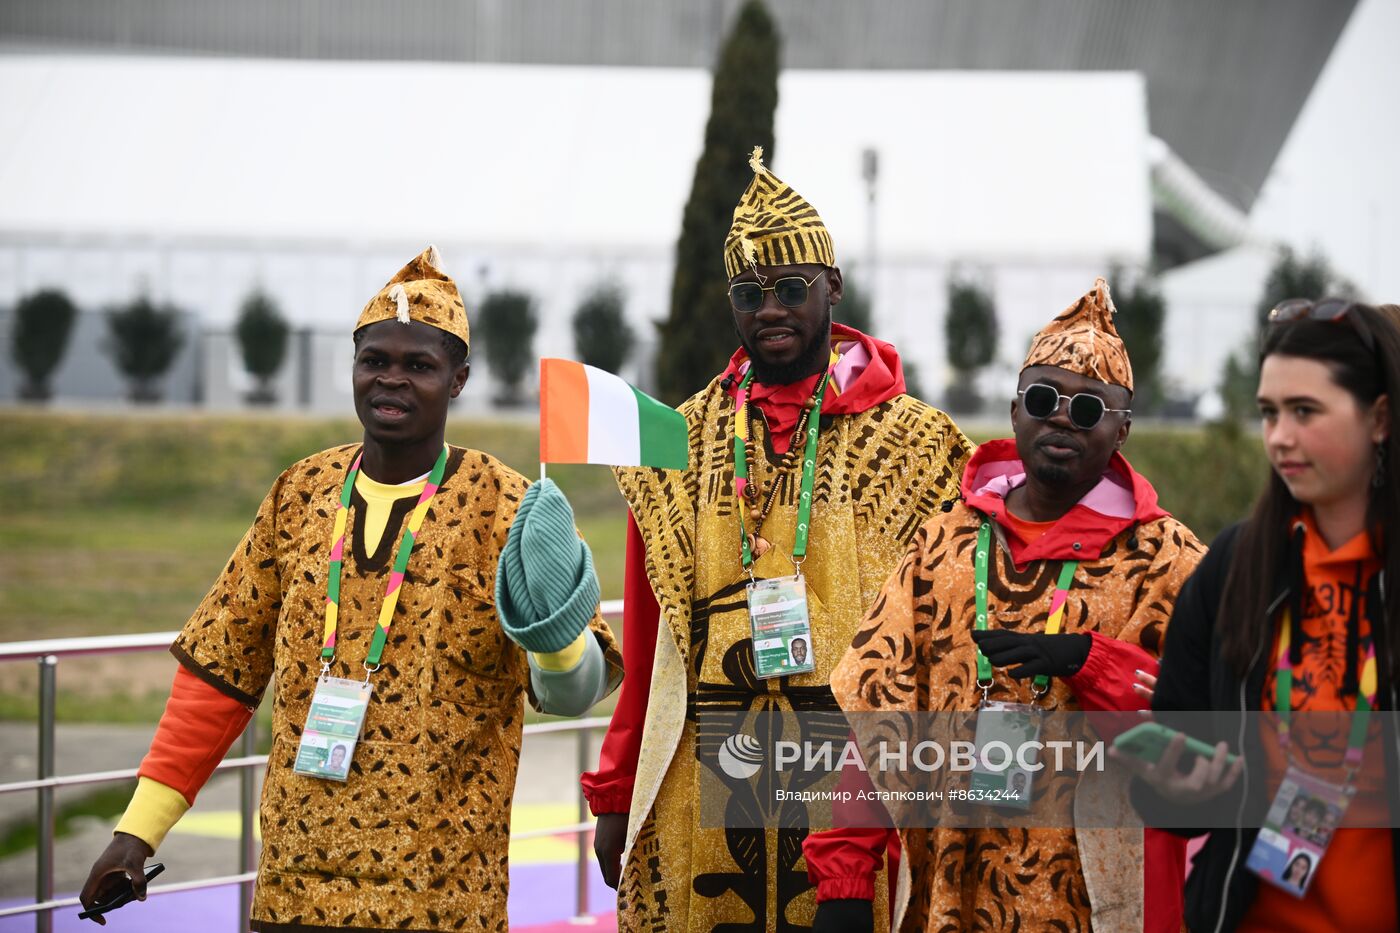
{"type": "Point", "coordinates": [546, 590]}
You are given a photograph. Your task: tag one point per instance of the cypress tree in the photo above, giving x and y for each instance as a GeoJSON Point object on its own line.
{"type": "Point", "coordinates": [602, 336]}
{"type": "Point", "coordinates": [1290, 276]}
{"type": "Point", "coordinates": [698, 336]}
{"type": "Point", "coordinates": [507, 322]}
{"type": "Point", "coordinates": [970, 329]}
{"type": "Point", "coordinates": [143, 339]}
{"type": "Point", "coordinates": [263, 334]}
{"type": "Point", "coordinates": [43, 324]}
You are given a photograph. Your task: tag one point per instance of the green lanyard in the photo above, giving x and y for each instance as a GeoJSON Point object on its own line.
{"type": "Point", "coordinates": [809, 470]}
{"type": "Point", "coordinates": [1365, 697]}
{"type": "Point", "coordinates": [1052, 624]}
{"type": "Point", "coordinates": [395, 584]}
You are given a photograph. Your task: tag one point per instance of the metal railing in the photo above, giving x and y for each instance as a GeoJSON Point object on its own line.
{"type": "Point", "coordinates": [48, 653]}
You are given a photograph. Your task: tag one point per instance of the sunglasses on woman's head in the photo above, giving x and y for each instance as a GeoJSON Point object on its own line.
{"type": "Point", "coordinates": [791, 292]}
{"type": "Point", "coordinates": [1335, 310]}
{"type": "Point", "coordinates": [1041, 401]}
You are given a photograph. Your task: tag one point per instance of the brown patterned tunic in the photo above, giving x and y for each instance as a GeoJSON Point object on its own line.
{"type": "Point", "coordinates": [915, 652]}
{"type": "Point", "coordinates": [417, 838]}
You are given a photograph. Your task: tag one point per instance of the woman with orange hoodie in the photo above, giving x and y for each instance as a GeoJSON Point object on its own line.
{"type": "Point", "coordinates": [1294, 611]}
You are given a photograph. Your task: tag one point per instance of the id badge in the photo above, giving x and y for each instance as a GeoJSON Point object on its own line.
{"type": "Point", "coordinates": [1297, 830]}
{"type": "Point", "coordinates": [332, 728]}
{"type": "Point", "coordinates": [1000, 777]}
{"type": "Point", "coordinates": [782, 632]}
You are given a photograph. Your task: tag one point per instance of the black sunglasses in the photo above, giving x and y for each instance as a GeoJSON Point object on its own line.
{"type": "Point", "coordinates": [791, 292]}
{"type": "Point", "coordinates": [1334, 310]}
{"type": "Point", "coordinates": [1041, 401]}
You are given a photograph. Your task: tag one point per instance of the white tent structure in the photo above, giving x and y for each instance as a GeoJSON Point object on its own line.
{"type": "Point", "coordinates": [974, 163]}
{"type": "Point", "coordinates": [200, 178]}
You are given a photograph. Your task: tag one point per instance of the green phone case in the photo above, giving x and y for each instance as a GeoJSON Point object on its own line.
{"type": "Point", "coordinates": [1147, 740]}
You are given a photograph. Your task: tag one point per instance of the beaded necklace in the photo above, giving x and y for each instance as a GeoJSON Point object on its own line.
{"type": "Point", "coordinates": [754, 545]}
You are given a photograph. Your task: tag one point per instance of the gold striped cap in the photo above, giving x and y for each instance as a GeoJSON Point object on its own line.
{"type": "Point", "coordinates": [774, 226]}
{"type": "Point", "coordinates": [1083, 340]}
{"type": "Point", "coordinates": [420, 292]}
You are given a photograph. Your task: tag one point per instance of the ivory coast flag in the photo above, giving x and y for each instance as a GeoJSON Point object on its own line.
{"type": "Point", "coordinates": [588, 415]}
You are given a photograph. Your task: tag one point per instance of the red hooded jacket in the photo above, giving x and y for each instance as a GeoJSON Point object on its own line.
{"type": "Point", "coordinates": [843, 862]}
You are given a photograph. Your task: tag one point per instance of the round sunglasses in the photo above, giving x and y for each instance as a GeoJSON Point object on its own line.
{"type": "Point", "coordinates": [1041, 401]}
{"type": "Point", "coordinates": [791, 292]}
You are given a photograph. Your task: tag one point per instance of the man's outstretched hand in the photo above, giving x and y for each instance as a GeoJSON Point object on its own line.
{"type": "Point", "coordinates": [125, 857]}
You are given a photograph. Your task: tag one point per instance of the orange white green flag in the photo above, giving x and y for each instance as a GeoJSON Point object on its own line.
{"type": "Point", "coordinates": [588, 415]}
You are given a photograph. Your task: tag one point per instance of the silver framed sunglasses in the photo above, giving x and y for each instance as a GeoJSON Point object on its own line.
{"type": "Point", "coordinates": [790, 290]}
{"type": "Point", "coordinates": [1086, 410]}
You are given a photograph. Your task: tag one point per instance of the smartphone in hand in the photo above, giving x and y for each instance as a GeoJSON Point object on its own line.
{"type": "Point", "coordinates": [123, 895]}
{"type": "Point", "coordinates": [1148, 740]}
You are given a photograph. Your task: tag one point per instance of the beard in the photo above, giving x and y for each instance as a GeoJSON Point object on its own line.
{"type": "Point", "coordinates": [812, 358]}
{"type": "Point", "coordinates": [1052, 474]}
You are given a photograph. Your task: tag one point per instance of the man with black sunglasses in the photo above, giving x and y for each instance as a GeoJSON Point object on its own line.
{"type": "Point", "coordinates": [1048, 585]}
{"type": "Point", "coordinates": [810, 471]}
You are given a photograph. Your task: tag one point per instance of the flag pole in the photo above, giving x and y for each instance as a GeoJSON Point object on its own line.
{"type": "Point", "coordinates": [544, 371]}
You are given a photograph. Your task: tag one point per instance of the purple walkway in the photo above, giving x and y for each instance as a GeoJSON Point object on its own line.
{"type": "Point", "coordinates": [541, 896]}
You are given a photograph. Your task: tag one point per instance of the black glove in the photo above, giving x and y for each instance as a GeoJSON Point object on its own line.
{"type": "Point", "coordinates": [609, 836]}
{"type": "Point", "coordinates": [1052, 655]}
{"type": "Point", "coordinates": [844, 916]}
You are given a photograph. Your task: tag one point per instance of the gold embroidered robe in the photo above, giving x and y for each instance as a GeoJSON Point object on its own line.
{"type": "Point", "coordinates": [879, 474]}
{"type": "Point", "coordinates": [417, 838]}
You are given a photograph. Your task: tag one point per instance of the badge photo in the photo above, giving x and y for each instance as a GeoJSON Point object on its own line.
{"type": "Point", "coordinates": [332, 728]}
{"type": "Point", "coordinates": [781, 629]}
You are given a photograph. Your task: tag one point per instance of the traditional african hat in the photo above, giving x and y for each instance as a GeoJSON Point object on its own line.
{"type": "Point", "coordinates": [420, 292]}
{"type": "Point", "coordinates": [774, 226]}
{"type": "Point", "coordinates": [1083, 340]}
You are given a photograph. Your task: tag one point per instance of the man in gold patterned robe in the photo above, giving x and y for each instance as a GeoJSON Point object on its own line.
{"type": "Point", "coordinates": [416, 835]}
{"type": "Point", "coordinates": [884, 462]}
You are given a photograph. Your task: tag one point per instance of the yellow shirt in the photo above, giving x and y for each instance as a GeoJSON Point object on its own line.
{"type": "Point", "coordinates": [379, 503]}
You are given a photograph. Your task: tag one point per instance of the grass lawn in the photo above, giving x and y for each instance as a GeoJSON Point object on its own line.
{"type": "Point", "coordinates": [118, 523]}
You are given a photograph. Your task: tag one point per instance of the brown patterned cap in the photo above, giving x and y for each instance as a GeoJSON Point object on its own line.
{"type": "Point", "coordinates": [774, 226]}
{"type": "Point", "coordinates": [1083, 340]}
{"type": "Point", "coordinates": [420, 292]}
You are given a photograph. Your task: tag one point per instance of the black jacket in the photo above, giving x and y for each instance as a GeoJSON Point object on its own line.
{"type": "Point", "coordinates": [1194, 676]}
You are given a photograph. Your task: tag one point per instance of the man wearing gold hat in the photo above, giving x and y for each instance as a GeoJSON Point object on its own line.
{"type": "Point", "coordinates": [403, 598]}
{"type": "Point", "coordinates": [810, 471]}
{"type": "Point", "coordinates": [1080, 567]}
